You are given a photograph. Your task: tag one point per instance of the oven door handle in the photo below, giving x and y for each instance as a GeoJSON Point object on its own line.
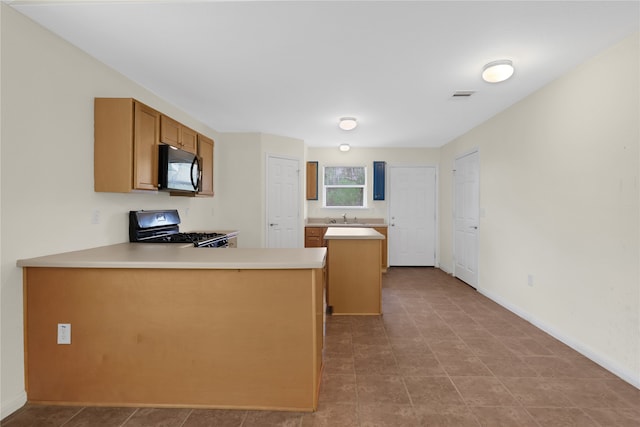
{"type": "Point", "coordinates": [195, 163]}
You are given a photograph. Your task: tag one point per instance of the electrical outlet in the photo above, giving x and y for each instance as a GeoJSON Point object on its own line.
{"type": "Point", "coordinates": [95, 217]}
{"type": "Point", "coordinates": [530, 280]}
{"type": "Point", "coordinates": [64, 333]}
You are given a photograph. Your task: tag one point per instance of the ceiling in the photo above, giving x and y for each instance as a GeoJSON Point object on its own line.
{"type": "Point", "coordinates": [293, 68]}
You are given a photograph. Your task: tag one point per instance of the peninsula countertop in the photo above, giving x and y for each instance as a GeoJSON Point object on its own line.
{"type": "Point", "coordinates": [178, 256]}
{"type": "Point", "coordinates": [352, 233]}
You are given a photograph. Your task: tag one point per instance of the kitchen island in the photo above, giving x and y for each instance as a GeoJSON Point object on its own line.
{"type": "Point", "coordinates": [355, 276]}
{"type": "Point", "coordinates": [172, 326]}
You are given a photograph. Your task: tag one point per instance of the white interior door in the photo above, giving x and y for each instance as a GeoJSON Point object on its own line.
{"type": "Point", "coordinates": [283, 203]}
{"type": "Point", "coordinates": [412, 216]}
{"type": "Point", "coordinates": [466, 212]}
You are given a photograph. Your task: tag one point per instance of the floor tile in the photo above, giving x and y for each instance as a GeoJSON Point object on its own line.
{"type": "Point", "coordinates": [100, 417]}
{"type": "Point", "coordinates": [445, 416]}
{"type": "Point", "coordinates": [338, 389]}
{"type": "Point", "coordinates": [561, 417]}
{"type": "Point", "coordinates": [460, 366]}
{"type": "Point", "coordinates": [332, 415]}
{"type": "Point", "coordinates": [484, 391]}
{"type": "Point", "coordinates": [435, 391]}
{"type": "Point", "coordinates": [554, 367]}
{"type": "Point", "coordinates": [503, 416]}
{"type": "Point", "coordinates": [625, 390]}
{"type": "Point", "coordinates": [272, 419]}
{"type": "Point", "coordinates": [508, 367]}
{"type": "Point", "coordinates": [615, 417]}
{"type": "Point", "coordinates": [487, 347]}
{"type": "Point", "coordinates": [537, 392]}
{"type": "Point", "coordinates": [386, 415]}
{"type": "Point", "coordinates": [40, 415]}
{"type": "Point", "coordinates": [419, 364]}
{"type": "Point", "coordinates": [338, 365]}
{"type": "Point", "coordinates": [215, 417]}
{"type": "Point", "coordinates": [415, 345]}
{"type": "Point", "coordinates": [590, 393]}
{"type": "Point", "coordinates": [381, 389]}
{"type": "Point", "coordinates": [158, 417]}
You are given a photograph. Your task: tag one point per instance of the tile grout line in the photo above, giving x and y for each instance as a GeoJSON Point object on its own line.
{"type": "Point", "coordinates": [73, 416]}
{"type": "Point", "coordinates": [186, 418]}
{"type": "Point", "coordinates": [129, 417]}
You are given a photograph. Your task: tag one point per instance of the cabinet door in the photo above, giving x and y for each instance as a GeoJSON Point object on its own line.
{"type": "Point", "coordinates": [169, 131]}
{"type": "Point", "coordinates": [188, 139]}
{"type": "Point", "coordinates": [312, 180]}
{"type": "Point", "coordinates": [378, 180]}
{"type": "Point", "coordinates": [145, 147]}
{"type": "Point", "coordinates": [205, 152]}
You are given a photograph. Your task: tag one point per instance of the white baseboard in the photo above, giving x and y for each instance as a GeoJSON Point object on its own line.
{"type": "Point", "coordinates": [11, 405]}
{"type": "Point", "coordinates": [443, 268]}
{"type": "Point", "coordinates": [581, 348]}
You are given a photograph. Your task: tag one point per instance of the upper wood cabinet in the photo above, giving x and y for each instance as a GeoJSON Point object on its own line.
{"type": "Point", "coordinates": [176, 134]}
{"type": "Point", "coordinates": [379, 180]}
{"type": "Point", "coordinates": [205, 152]}
{"type": "Point", "coordinates": [312, 180]}
{"type": "Point", "coordinates": [126, 137]}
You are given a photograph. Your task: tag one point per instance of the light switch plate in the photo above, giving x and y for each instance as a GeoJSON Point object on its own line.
{"type": "Point", "coordinates": [64, 333]}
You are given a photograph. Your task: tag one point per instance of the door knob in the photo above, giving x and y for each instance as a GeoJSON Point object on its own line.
{"type": "Point", "coordinates": [475, 227]}
{"type": "Point", "coordinates": [272, 224]}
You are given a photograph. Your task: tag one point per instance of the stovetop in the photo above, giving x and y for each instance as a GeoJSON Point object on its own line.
{"type": "Point", "coordinates": [161, 226]}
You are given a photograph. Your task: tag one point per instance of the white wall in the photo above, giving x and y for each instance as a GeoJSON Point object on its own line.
{"type": "Point", "coordinates": [47, 194]}
{"type": "Point", "coordinates": [365, 157]}
{"type": "Point", "coordinates": [559, 189]}
{"type": "Point", "coordinates": [241, 171]}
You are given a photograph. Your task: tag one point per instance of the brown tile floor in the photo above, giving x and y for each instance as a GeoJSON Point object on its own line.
{"type": "Point", "coordinates": [442, 355]}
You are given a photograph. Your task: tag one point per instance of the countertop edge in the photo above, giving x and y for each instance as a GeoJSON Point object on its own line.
{"type": "Point", "coordinates": [167, 256]}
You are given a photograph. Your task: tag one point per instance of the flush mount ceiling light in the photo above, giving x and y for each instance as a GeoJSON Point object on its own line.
{"type": "Point", "coordinates": [345, 147]}
{"type": "Point", "coordinates": [348, 123]}
{"type": "Point", "coordinates": [497, 71]}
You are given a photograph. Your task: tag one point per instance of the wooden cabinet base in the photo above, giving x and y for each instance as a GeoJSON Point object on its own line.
{"type": "Point", "coordinates": [354, 285]}
{"type": "Point", "coordinates": [249, 339]}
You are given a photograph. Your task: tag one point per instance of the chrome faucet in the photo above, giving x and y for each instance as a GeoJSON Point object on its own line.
{"type": "Point", "coordinates": [344, 217]}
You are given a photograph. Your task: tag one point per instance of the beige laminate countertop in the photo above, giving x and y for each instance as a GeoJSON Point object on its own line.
{"type": "Point", "coordinates": [178, 256]}
{"type": "Point", "coordinates": [352, 233]}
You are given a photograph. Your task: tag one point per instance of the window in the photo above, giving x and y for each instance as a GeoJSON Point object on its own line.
{"type": "Point", "coordinates": [345, 187]}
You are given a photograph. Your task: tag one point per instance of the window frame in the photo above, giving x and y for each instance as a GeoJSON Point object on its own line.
{"type": "Point", "coordinates": [363, 186]}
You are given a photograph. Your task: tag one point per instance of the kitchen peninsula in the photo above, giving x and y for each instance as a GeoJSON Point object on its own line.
{"type": "Point", "coordinates": [170, 325]}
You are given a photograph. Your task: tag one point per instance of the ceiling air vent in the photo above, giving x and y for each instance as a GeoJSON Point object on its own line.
{"type": "Point", "coordinates": [463, 93]}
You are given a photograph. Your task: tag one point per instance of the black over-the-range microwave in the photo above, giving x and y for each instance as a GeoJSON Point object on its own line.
{"type": "Point", "coordinates": [178, 170]}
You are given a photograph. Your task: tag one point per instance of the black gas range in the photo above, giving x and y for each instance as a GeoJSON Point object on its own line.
{"type": "Point", "coordinates": [161, 226]}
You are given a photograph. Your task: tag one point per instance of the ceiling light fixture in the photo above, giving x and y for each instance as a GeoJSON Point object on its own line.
{"type": "Point", "coordinates": [348, 123]}
{"type": "Point", "coordinates": [497, 71]}
{"type": "Point", "coordinates": [345, 147]}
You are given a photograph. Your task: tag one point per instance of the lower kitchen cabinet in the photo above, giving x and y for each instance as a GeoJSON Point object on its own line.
{"type": "Point", "coordinates": [314, 237]}
{"type": "Point", "coordinates": [233, 338]}
{"type": "Point", "coordinates": [354, 284]}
